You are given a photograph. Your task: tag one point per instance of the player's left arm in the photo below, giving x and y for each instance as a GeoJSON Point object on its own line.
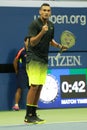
{"type": "Point", "coordinates": [55, 44]}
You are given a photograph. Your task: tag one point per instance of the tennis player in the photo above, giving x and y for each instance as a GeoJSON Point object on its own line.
{"type": "Point", "coordinates": [41, 34]}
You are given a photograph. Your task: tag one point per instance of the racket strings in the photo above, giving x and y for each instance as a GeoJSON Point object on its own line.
{"type": "Point", "coordinates": [68, 40]}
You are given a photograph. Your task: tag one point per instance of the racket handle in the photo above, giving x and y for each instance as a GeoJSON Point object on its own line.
{"type": "Point", "coordinates": [58, 55]}
{"type": "Point", "coordinates": [61, 50]}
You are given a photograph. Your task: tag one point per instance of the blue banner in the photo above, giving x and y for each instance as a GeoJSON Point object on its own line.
{"type": "Point", "coordinates": [15, 21]}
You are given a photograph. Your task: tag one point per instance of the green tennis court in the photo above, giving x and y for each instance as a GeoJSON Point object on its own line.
{"type": "Point", "coordinates": [61, 119]}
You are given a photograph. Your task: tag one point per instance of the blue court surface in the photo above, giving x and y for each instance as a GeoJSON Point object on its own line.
{"type": "Point", "coordinates": [52, 126]}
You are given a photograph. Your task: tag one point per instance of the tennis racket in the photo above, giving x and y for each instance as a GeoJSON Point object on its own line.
{"type": "Point", "coordinates": [67, 40]}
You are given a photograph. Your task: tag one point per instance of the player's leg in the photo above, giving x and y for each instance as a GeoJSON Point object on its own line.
{"type": "Point", "coordinates": [34, 75]}
{"type": "Point", "coordinates": [42, 78]}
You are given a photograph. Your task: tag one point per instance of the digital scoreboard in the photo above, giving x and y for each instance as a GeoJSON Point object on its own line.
{"type": "Point", "coordinates": [73, 86]}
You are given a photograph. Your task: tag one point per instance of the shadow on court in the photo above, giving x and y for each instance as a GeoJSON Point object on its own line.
{"type": "Point", "coordinates": [53, 126]}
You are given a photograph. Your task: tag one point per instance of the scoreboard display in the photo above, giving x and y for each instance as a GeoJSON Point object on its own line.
{"type": "Point", "coordinates": [64, 88]}
{"type": "Point", "coordinates": [73, 86]}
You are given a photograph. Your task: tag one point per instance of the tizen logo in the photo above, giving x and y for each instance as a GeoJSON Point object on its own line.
{"type": "Point", "coordinates": [67, 61]}
{"type": "Point", "coordinates": [67, 19]}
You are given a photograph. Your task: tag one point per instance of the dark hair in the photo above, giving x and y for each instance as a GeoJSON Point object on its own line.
{"type": "Point", "coordinates": [44, 4]}
{"type": "Point", "coordinates": [27, 37]}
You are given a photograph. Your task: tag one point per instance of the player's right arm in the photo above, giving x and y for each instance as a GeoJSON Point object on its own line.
{"type": "Point", "coordinates": [34, 40]}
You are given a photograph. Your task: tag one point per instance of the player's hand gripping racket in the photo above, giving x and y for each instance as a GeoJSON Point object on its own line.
{"type": "Point", "coordinates": [67, 40]}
